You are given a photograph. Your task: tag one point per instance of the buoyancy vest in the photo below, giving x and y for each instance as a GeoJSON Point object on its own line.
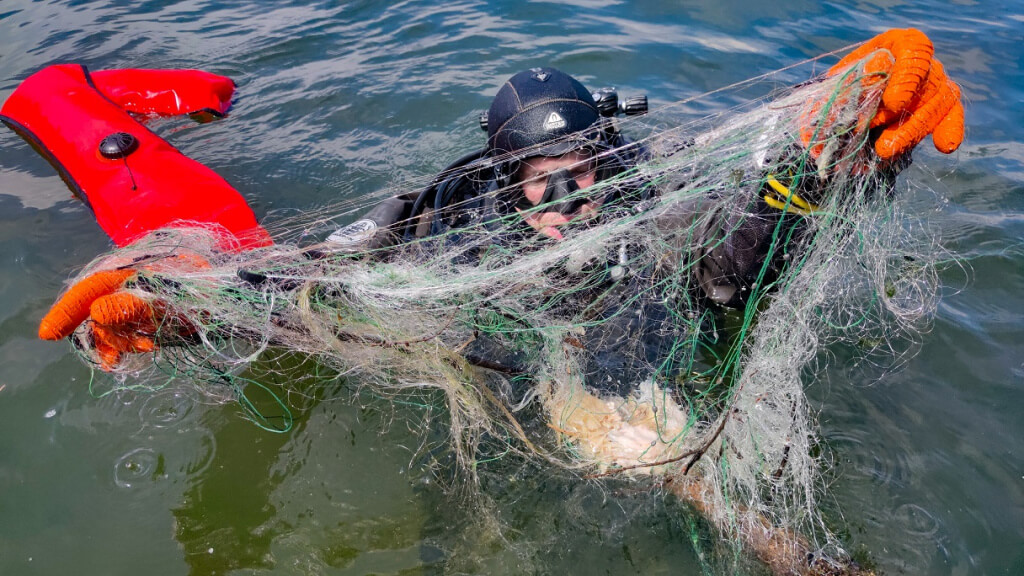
{"type": "Point", "coordinates": [66, 113]}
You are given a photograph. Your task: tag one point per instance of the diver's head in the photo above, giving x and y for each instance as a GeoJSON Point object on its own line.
{"type": "Point", "coordinates": [545, 125]}
{"type": "Point", "coordinates": [541, 112]}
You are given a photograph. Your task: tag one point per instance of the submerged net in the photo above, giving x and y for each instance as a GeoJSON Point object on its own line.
{"type": "Point", "coordinates": [600, 352]}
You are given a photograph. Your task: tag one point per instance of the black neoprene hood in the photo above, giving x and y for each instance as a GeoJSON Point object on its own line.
{"type": "Point", "coordinates": [537, 107]}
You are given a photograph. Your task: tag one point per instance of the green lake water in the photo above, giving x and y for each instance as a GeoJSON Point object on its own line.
{"type": "Point", "coordinates": [343, 99]}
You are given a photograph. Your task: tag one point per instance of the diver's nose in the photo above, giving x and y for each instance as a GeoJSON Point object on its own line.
{"type": "Point", "coordinates": [560, 193]}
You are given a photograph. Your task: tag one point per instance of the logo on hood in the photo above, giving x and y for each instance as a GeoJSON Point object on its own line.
{"type": "Point", "coordinates": [554, 121]}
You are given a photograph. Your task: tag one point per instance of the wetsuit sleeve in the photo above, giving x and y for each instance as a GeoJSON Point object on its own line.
{"type": "Point", "coordinates": [379, 228]}
{"type": "Point", "coordinates": [411, 215]}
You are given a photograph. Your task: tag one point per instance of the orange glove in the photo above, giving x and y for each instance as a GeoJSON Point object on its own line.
{"type": "Point", "coordinates": [120, 322]}
{"type": "Point", "coordinates": [918, 99]}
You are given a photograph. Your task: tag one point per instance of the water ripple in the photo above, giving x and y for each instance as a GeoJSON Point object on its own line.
{"type": "Point", "coordinates": [138, 465]}
{"type": "Point", "coordinates": [177, 459]}
{"type": "Point", "coordinates": [860, 457]}
{"type": "Point", "coordinates": [915, 520]}
{"type": "Point", "coordinates": [168, 407]}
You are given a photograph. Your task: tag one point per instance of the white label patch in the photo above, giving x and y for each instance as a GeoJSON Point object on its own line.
{"type": "Point", "coordinates": [554, 122]}
{"type": "Point", "coordinates": [354, 234]}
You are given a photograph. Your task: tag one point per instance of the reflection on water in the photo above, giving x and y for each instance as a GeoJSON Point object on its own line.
{"type": "Point", "coordinates": [349, 100]}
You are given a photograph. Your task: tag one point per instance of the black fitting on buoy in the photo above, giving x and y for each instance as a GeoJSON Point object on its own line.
{"type": "Point", "coordinates": [118, 145]}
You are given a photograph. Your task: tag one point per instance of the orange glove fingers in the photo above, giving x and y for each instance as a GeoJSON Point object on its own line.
{"type": "Point", "coordinates": [73, 307]}
{"type": "Point", "coordinates": [121, 308]}
{"type": "Point", "coordinates": [936, 82]}
{"type": "Point", "coordinates": [110, 345]}
{"type": "Point", "coordinates": [105, 343]}
{"type": "Point", "coordinates": [141, 343]}
{"type": "Point", "coordinates": [884, 117]}
{"type": "Point", "coordinates": [928, 109]}
{"type": "Point", "coordinates": [110, 357]}
{"type": "Point", "coordinates": [114, 337]}
{"type": "Point", "coordinates": [949, 134]}
{"type": "Point", "coordinates": [900, 138]}
{"type": "Point", "coordinates": [913, 54]}
{"type": "Point", "coordinates": [878, 68]}
{"type": "Point", "coordinates": [918, 99]}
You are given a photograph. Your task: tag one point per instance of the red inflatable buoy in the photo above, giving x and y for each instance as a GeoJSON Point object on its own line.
{"type": "Point", "coordinates": [166, 92]}
{"type": "Point", "coordinates": [133, 180]}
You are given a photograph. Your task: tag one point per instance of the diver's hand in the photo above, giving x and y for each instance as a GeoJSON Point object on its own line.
{"type": "Point", "coordinates": [918, 99]}
{"type": "Point", "coordinates": [119, 318]}
{"type": "Point", "coordinates": [120, 322]}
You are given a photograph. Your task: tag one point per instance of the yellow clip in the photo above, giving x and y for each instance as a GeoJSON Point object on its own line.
{"type": "Point", "coordinates": [802, 207]}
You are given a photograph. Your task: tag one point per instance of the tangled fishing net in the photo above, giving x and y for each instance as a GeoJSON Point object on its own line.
{"type": "Point", "coordinates": [605, 337]}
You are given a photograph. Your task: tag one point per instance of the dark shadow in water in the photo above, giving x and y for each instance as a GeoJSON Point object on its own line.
{"type": "Point", "coordinates": [225, 524]}
{"type": "Point", "coordinates": [226, 520]}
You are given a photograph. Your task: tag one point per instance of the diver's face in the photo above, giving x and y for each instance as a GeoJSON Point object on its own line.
{"type": "Point", "coordinates": [533, 177]}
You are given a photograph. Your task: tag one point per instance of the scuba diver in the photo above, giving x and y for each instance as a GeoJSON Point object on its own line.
{"type": "Point", "coordinates": [548, 138]}
{"type": "Point", "coordinates": [550, 145]}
